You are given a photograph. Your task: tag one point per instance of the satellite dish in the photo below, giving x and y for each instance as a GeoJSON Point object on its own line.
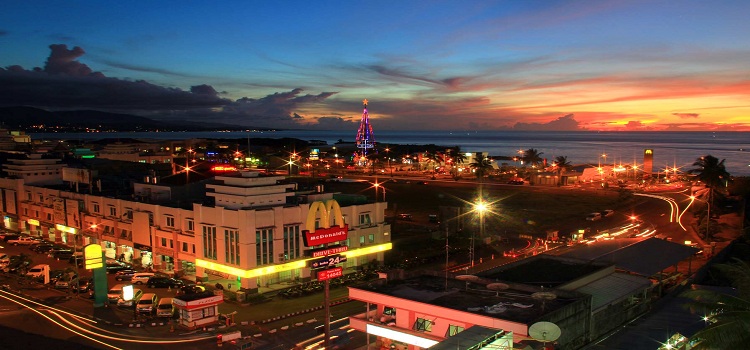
{"type": "Point", "coordinates": [468, 278]}
{"type": "Point", "coordinates": [544, 331]}
{"type": "Point", "coordinates": [497, 286]}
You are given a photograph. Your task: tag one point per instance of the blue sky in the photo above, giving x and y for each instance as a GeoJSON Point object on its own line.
{"type": "Point", "coordinates": [454, 65]}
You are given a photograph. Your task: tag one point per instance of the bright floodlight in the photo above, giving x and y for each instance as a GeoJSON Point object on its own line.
{"type": "Point", "coordinates": [481, 207]}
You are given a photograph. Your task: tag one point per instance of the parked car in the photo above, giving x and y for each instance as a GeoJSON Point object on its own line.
{"type": "Point", "coordinates": [67, 280]}
{"type": "Point", "coordinates": [63, 254]}
{"type": "Point", "coordinates": [141, 277]}
{"type": "Point", "coordinates": [191, 289]}
{"type": "Point", "coordinates": [163, 282]}
{"type": "Point", "coordinates": [85, 284]}
{"type": "Point", "coordinates": [55, 275]}
{"type": "Point", "coordinates": [56, 250]}
{"type": "Point", "coordinates": [594, 216]}
{"type": "Point", "coordinates": [38, 271]}
{"type": "Point", "coordinates": [114, 266]}
{"type": "Point", "coordinates": [137, 294]}
{"type": "Point", "coordinates": [22, 240]}
{"type": "Point", "coordinates": [146, 304]}
{"type": "Point", "coordinates": [114, 293]}
{"type": "Point", "coordinates": [165, 308]}
{"type": "Point", "coordinates": [407, 217]}
{"type": "Point", "coordinates": [608, 212]}
{"type": "Point", "coordinates": [42, 247]}
{"type": "Point", "coordinates": [10, 236]}
{"type": "Point", "coordinates": [124, 275]}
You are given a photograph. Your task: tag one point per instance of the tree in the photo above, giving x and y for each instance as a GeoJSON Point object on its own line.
{"type": "Point", "coordinates": [561, 165]}
{"type": "Point", "coordinates": [433, 158]}
{"type": "Point", "coordinates": [481, 165]}
{"type": "Point", "coordinates": [534, 158]}
{"type": "Point", "coordinates": [711, 172]}
{"type": "Point", "coordinates": [459, 158]}
{"type": "Point", "coordinates": [727, 316]}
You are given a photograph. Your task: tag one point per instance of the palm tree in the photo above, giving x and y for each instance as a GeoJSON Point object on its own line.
{"type": "Point", "coordinates": [727, 316]}
{"type": "Point", "coordinates": [433, 158]}
{"type": "Point", "coordinates": [711, 172]}
{"type": "Point", "coordinates": [561, 165]}
{"type": "Point", "coordinates": [534, 158]}
{"type": "Point", "coordinates": [460, 158]}
{"type": "Point", "coordinates": [481, 165]}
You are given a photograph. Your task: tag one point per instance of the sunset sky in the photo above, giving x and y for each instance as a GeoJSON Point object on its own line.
{"type": "Point", "coordinates": [448, 65]}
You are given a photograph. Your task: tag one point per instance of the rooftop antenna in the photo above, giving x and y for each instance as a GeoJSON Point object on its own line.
{"type": "Point", "coordinates": [544, 332]}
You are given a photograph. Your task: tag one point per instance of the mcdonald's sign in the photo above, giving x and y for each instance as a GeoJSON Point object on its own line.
{"type": "Point", "coordinates": [331, 224]}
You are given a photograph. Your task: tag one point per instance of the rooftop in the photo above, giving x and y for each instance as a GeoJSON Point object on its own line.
{"type": "Point", "coordinates": [517, 303]}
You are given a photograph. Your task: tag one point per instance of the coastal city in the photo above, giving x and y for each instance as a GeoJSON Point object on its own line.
{"type": "Point", "coordinates": [256, 246]}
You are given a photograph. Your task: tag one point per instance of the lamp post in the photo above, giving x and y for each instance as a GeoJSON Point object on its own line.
{"type": "Point", "coordinates": [480, 207]}
{"type": "Point", "coordinates": [388, 155]}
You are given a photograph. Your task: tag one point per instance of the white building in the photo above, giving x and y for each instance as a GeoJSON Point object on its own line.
{"type": "Point", "coordinates": [35, 170]}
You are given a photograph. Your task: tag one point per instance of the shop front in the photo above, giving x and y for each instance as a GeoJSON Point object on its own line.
{"type": "Point", "coordinates": [143, 252]}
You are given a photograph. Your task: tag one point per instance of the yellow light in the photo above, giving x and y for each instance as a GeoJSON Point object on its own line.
{"type": "Point", "coordinates": [267, 270]}
{"type": "Point", "coordinates": [64, 228]}
{"type": "Point", "coordinates": [92, 254]}
{"type": "Point", "coordinates": [33, 222]}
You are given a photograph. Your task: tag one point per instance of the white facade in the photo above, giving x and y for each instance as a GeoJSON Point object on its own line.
{"type": "Point", "coordinates": [35, 170]}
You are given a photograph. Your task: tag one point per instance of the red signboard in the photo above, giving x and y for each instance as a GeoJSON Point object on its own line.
{"type": "Point", "coordinates": [328, 251]}
{"type": "Point", "coordinates": [330, 273]}
{"type": "Point", "coordinates": [224, 168]}
{"type": "Point", "coordinates": [325, 235]}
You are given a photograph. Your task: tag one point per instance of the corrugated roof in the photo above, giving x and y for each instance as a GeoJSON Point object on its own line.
{"type": "Point", "coordinates": [644, 257]}
{"type": "Point", "coordinates": [613, 288]}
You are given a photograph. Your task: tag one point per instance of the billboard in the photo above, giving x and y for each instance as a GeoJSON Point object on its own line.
{"type": "Point", "coordinates": [330, 214]}
{"type": "Point", "coordinates": [335, 272]}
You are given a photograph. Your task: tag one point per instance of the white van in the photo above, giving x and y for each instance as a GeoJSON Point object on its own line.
{"type": "Point", "coordinates": [141, 277]}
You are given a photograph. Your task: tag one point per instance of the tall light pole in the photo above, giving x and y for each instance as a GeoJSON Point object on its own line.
{"type": "Point", "coordinates": [388, 155]}
{"type": "Point", "coordinates": [480, 207]}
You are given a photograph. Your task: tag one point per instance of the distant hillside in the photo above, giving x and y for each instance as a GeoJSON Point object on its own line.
{"type": "Point", "coordinates": [32, 119]}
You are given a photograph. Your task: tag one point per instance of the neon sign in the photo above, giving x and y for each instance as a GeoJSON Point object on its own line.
{"type": "Point", "coordinates": [223, 168]}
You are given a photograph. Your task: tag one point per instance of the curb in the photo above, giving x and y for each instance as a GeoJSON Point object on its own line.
{"type": "Point", "coordinates": [301, 312]}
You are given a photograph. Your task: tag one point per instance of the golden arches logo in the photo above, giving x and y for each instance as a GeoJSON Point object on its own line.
{"type": "Point", "coordinates": [330, 214]}
{"type": "Point", "coordinates": [649, 151]}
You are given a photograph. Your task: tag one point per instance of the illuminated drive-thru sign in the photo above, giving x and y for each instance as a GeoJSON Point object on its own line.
{"type": "Point", "coordinates": [335, 272]}
{"type": "Point", "coordinates": [331, 225]}
{"type": "Point", "coordinates": [317, 253]}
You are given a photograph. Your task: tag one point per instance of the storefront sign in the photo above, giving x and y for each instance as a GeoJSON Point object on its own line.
{"type": "Point", "coordinates": [200, 303]}
{"type": "Point", "coordinates": [164, 251]}
{"type": "Point", "coordinates": [335, 272]}
{"type": "Point", "coordinates": [330, 213]}
{"type": "Point", "coordinates": [218, 273]}
{"type": "Point", "coordinates": [316, 253]}
{"type": "Point", "coordinates": [34, 222]}
{"type": "Point", "coordinates": [92, 254]}
{"type": "Point", "coordinates": [142, 247]}
{"type": "Point", "coordinates": [328, 261]}
{"type": "Point", "coordinates": [64, 228]}
{"type": "Point", "coordinates": [325, 235]}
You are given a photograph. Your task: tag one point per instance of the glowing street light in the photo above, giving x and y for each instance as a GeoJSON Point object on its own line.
{"type": "Point", "coordinates": [480, 206]}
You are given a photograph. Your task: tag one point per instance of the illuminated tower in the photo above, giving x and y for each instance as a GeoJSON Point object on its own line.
{"type": "Point", "coordinates": [648, 162]}
{"type": "Point", "coordinates": [365, 138]}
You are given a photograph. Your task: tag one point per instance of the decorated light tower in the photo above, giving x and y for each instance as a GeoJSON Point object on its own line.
{"type": "Point", "coordinates": [365, 138]}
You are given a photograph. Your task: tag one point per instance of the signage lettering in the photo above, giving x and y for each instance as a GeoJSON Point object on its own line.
{"type": "Point", "coordinates": [332, 227]}
{"type": "Point", "coordinates": [327, 261]}
{"type": "Point", "coordinates": [330, 273]}
{"type": "Point", "coordinates": [328, 251]}
{"type": "Point", "coordinates": [325, 235]}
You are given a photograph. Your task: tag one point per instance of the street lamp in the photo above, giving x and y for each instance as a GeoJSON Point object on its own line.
{"type": "Point", "coordinates": [388, 155]}
{"type": "Point", "coordinates": [480, 207]}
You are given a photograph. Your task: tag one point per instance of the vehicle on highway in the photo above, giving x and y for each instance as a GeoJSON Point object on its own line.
{"type": "Point", "coordinates": [22, 240]}
{"type": "Point", "coordinates": [67, 280]}
{"type": "Point", "coordinates": [137, 294]}
{"type": "Point", "coordinates": [607, 213]}
{"type": "Point", "coordinates": [165, 308]}
{"type": "Point", "coordinates": [141, 277]}
{"type": "Point", "coordinates": [146, 304]}
{"type": "Point", "coordinates": [594, 216]}
{"type": "Point", "coordinates": [124, 275]}
{"type": "Point", "coordinates": [163, 282]}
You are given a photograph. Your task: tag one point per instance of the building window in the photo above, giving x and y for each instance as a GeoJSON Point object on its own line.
{"type": "Point", "coordinates": [190, 225]}
{"type": "Point", "coordinates": [163, 242]}
{"type": "Point", "coordinates": [361, 240]}
{"type": "Point", "coordinates": [423, 325]}
{"type": "Point", "coordinates": [112, 211]}
{"type": "Point", "coordinates": [184, 247]}
{"type": "Point", "coordinates": [28, 196]}
{"type": "Point", "coordinates": [232, 246]}
{"type": "Point", "coordinates": [170, 221]}
{"type": "Point", "coordinates": [128, 213]}
{"type": "Point", "coordinates": [371, 238]}
{"type": "Point", "coordinates": [209, 242]}
{"type": "Point", "coordinates": [264, 246]}
{"type": "Point", "coordinates": [292, 242]}
{"type": "Point", "coordinates": [364, 219]}
{"type": "Point", "coordinates": [96, 208]}
{"type": "Point", "coordinates": [453, 330]}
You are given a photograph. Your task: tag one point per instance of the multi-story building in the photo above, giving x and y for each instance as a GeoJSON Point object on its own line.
{"type": "Point", "coordinates": [252, 232]}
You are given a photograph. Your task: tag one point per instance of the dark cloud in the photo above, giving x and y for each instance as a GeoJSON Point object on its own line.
{"type": "Point", "coordinates": [564, 123]}
{"type": "Point", "coordinates": [3, 32]}
{"type": "Point", "coordinates": [687, 115]}
{"type": "Point", "coordinates": [66, 83]}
